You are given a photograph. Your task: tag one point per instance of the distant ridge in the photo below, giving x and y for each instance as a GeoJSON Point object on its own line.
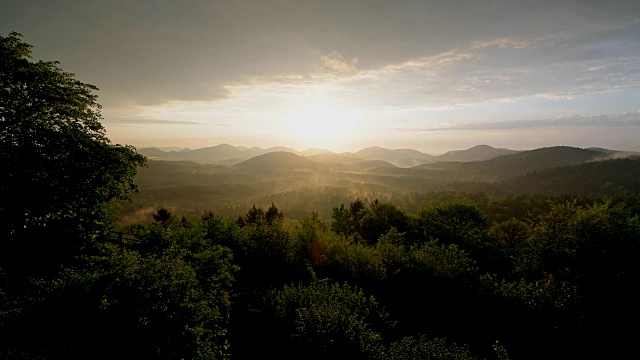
{"type": "Point", "coordinates": [399, 157]}
{"type": "Point", "coordinates": [602, 150]}
{"type": "Point", "coordinates": [312, 151]}
{"type": "Point", "coordinates": [618, 177]}
{"type": "Point", "coordinates": [225, 154]}
{"type": "Point", "coordinates": [278, 161]}
{"type": "Point", "coordinates": [153, 153]}
{"type": "Point", "coordinates": [329, 157]}
{"type": "Point", "coordinates": [285, 175]}
{"type": "Point", "coordinates": [476, 153]}
{"type": "Point", "coordinates": [520, 163]}
{"type": "Point", "coordinates": [219, 154]}
{"type": "Point", "coordinates": [171, 148]}
{"type": "Point", "coordinates": [373, 164]}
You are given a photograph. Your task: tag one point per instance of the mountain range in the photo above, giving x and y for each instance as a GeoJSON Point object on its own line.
{"type": "Point", "coordinates": [389, 168]}
{"type": "Point", "coordinates": [225, 154]}
{"type": "Point", "coordinates": [227, 178]}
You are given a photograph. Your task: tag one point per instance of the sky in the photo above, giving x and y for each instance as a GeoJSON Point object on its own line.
{"type": "Point", "coordinates": [344, 75]}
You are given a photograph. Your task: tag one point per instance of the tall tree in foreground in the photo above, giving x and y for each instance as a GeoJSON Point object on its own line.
{"type": "Point", "coordinates": [58, 168]}
{"type": "Point", "coordinates": [66, 289]}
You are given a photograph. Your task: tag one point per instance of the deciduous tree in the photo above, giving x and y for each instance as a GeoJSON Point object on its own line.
{"type": "Point", "coordinates": [58, 167]}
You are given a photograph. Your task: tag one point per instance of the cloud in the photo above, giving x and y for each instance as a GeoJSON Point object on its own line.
{"type": "Point", "coordinates": [504, 69]}
{"type": "Point", "coordinates": [500, 69]}
{"type": "Point", "coordinates": [338, 64]}
{"type": "Point", "coordinates": [181, 52]}
{"type": "Point", "coordinates": [505, 42]}
{"type": "Point", "coordinates": [131, 121]}
{"type": "Point", "coordinates": [624, 119]}
{"type": "Point", "coordinates": [439, 62]}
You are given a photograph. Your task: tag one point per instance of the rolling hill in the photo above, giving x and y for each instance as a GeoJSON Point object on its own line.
{"type": "Point", "coordinates": [476, 153]}
{"type": "Point", "coordinates": [614, 177]}
{"type": "Point", "coordinates": [299, 183]}
{"type": "Point", "coordinates": [219, 154]}
{"type": "Point", "coordinates": [507, 166]}
{"type": "Point", "coordinates": [399, 157]}
{"type": "Point", "coordinates": [226, 154]}
{"type": "Point", "coordinates": [278, 161]}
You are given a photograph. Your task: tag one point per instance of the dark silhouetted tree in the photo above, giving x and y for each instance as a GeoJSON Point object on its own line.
{"type": "Point", "coordinates": [273, 215]}
{"type": "Point", "coordinates": [58, 168]}
{"type": "Point", "coordinates": [254, 215]}
{"type": "Point", "coordinates": [342, 221]}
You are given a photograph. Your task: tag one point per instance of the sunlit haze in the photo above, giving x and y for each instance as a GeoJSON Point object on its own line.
{"type": "Point", "coordinates": [433, 76]}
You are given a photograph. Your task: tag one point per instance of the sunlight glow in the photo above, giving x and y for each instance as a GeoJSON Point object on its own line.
{"type": "Point", "coordinates": [320, 125]}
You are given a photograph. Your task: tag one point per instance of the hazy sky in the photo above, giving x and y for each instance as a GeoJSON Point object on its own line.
{"type": "Point", "coordinates": [343, 75]}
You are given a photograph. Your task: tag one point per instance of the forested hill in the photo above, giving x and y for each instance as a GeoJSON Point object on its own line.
{"type": "Point", "coordinates": [519, 162]}
{"type": "Point", "coordinates": [476, 153]}
{"type": "Point", "coordinates": [228, 154]}
{"type": "Point", "coordinates": [300, 184]}
{"type": "Point", "coordinates": [400, 157]}
{"type": "Point", "coordinates": [277, 162]}
{"type": "Point", "coordinates": [615, 177]}
{"type": "Point", "coordinates": [219, 154]}
{"type": "Point", "coordinates": [506, 166]}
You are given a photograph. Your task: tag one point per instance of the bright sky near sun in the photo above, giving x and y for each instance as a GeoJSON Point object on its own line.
{"type": "Point", "coordinates": [343, 75]}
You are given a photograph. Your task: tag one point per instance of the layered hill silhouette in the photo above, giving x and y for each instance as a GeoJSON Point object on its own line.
{"type": "Point", "coordinates": [278, 161]}
{"type": "Point", "coordinates": [304, 183]}
{"type": "Point", "coordinates": [516, 164]}
{"type": "Point", "coordinates": [502, 164]}
{"type": "Point", "coordinates": [614, 177]}
{"type": "Point", "coordinates": [399, 157]}
{"type": "Point", "coordinates": [219, 154]}
{"type": "Point", "coordinates": [476, 153]}
{"type": "Point", "coordinates": [228, 155]}
{"type": "Point", "coordinates": [498, 168]}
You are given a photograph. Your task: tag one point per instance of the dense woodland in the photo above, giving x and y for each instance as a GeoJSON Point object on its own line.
{"type": "Point", "coordinates": [255, 259]}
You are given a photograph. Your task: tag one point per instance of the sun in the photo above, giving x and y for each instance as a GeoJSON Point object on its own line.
{"type": "Point", "coordinates": [319, 125]}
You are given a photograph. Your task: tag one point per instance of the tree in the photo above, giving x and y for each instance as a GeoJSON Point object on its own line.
{"type": "Point", "coordinates": [273, 215]}
{"type": "Point", "coordinates": [425, 348]}
{"type": "Point", "coordinates": [322, 320]}
{"type": "Point", "coordinates": [379, 218]}
{"type": "Point", "coordinates": [342, 221]}
{"type": "Point", "coordinates": [355, 207]}
{"type": "Point", "coordinates": [452, 223]}
{"type": "Point", "coordinates": [59, 170]}
{"type": "Point", "coordinates": [164, 294]}
{"type": "Point", "coordinates": [162, 216]}
{"type": "Point", "coordinates": [253, 215]}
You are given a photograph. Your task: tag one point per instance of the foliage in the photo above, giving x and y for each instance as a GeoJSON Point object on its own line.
{"type": "Point", "coordinates": [368, 223]}
{"type": "Point", "coordinates": [256, 215]}
{"type": "Point", "coordinates": [163, 293]}
{"type": "Point", "coordinates": [392, 252]}
{"type": "Point", "coordinates": [379, 218]}
{"type": "Point", "coordinates": [410, 348]}
{"type": "Point", "coordinates": [444, 260]}
{"type": "Point", "coordinates": [354, 261]}
{"type": "Point", "coordinates": [59, 168]}
{"type": "Point", "coordinates": [323, 320]}
{"type": "Point", "coordinates": [452, 223]}
{"type": "Point", "coordinates": [342, 221]}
